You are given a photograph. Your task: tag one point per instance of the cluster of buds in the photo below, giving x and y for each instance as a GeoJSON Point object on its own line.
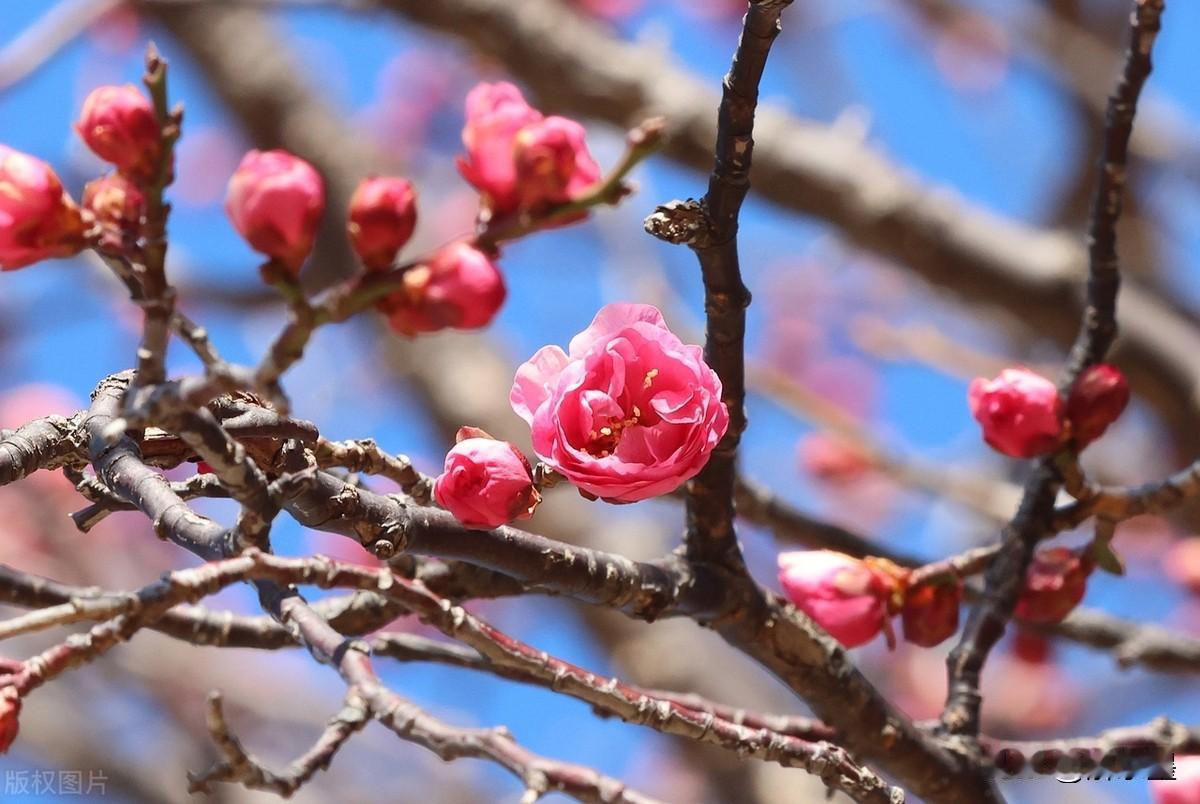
{"type": "Point", "coordinates": [518, 159]}
{"type": "Point", "coordinates": [1023, 415]}
{"type": "Point", "coordinates": [485, 483]}
{"type": "Point", "coordinates": [854, 599]}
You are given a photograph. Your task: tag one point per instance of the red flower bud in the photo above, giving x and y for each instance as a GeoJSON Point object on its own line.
{"type": "Point", "coordinates": [1032, 647]}
{"type": "Point", "coordinates": [383, 214]}
{"type": "Point", "coordinates": [275, 201]}
{"type": "Point", "coordinates": [495, 113]}
{"type": "Point", "coordinates": [847, 597]}
{"type": "Point", "coordinates": [120, 126]}
{"type": "Point", "coordinates": [1020, 412]}
{"type": "Point", "coordinates": [930, 613]}
{"type": "Point", "coordinates": [115, 202]}
{"type": "Point", "coordinates": [553, 163]}
{"type": "Point", "coordinates": [486, 483]}
{"type": "Point", "coordinates": [38, 220]}
{"type": "Point", "coordinates": [1095, 402]}
{"type": "Point", "coordinates": [10, 713]}
{"type": "Point", "coordinates": [1054, 585]}
{"type": "Point", "coordinates": [833, 459]}
{"type": "Point", "coordinates": [458, 287]}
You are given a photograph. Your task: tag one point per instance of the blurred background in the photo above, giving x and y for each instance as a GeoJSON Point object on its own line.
{"type": "Point", "coordinates": [924, 168]}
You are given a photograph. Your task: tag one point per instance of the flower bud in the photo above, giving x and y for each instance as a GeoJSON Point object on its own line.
{"type": "Point", "coordinates": [1054, 584]}
{"type": "Point", "coordinates": [38, 220]}
{"type": "Point", "coordinates": [485, 483]}
{"type": "Point", "coordinates": [1096, 400]}
{"type": "Point", "coordinates": [10, 713]}
{"type": "Point", "coordinates": [847, 597]}
{"type": "Point", "coordinates": [833, 459]}
{"type": "Point", "coordinates": [115, 202]}
{"type": "Point", "coordinates": [1184, 788]}
{"type": "Point", "coordinates": [495, 113]}
{"type": "Point", "coordinates": [1181, 563]}
{"type": "Point", "coordinates": [1020, 412]}
{"type": "Point", "coordinates": [275, 201]}
{"type": "Point", "coordinates": [458, 287]}
{"type": "Point", "coordinates": [1031, 647]}
{"type": "Point", "coordinates": [930, 614]}
{"type": "Point", "coordinates": [553, 163]}
{"type": "Point", "coordinates": [120, 126]}
{"type": "Point", "coordinates": [383, 214]}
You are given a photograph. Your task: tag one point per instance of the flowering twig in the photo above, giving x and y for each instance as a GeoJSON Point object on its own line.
{"type": "Point", "coordinates": [1033, 520]}
{"type": "Point", "coordinates": [364, 455]}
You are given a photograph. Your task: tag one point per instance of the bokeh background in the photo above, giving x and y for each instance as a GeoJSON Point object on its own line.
{"type": "Point", "coordinates": [970, 97]}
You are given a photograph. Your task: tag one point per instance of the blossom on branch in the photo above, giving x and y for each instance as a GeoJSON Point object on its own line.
{"type": "Point", "coordinates": [119, 124]}
{"type": "Point", "coordinates": [930, 613]}
{"type": "Point", "coordinates": [518, 159]}
{"type": "Point", "coordinates": [38, 220]}
{"type": "Point", "coordinates": [10, 713]}
{"type": "Point", "coordinates": [1054, 584]}
{"type": "Point", "coordinates": [115, 202]}
{"type": "Point", "coordinates": [1020, 412]}
{"type": "Point", "coordinates": [459, 287]}
{"type": "Point", "coordinates": [846, 596]}
{"type": "Point", "coordinates": [383, 215]}
{"type": "Point", "coordinates": [1184, 788]}
{"type": "Point", "coordinates": [485, 483]}
{"type": "Point", "coordinates": [275, 201]}
{"type": "Point", "coordinates": [1096, 400]}
{"type": "Point", "coordinates": [629, 413]}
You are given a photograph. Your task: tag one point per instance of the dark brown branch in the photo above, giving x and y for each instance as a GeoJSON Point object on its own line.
{"type": "Point", "coordinates": [364, 455]}
{"type": "Point", "coordinates": [710, 514]}
{"type": "Point", "coordinates": [1032, 522]}
{"type": "Point", "coordinates": [242, 767]}
{"type": "Point", "coordinates": [41, 444]}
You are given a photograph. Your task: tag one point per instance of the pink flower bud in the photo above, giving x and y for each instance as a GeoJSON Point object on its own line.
{"type": "Point", "coordinates": [495, 113]}
{"type": "Point", "coordinates": [1095, 402]}
{"type": "Point", "coordinates": [930, 613]}
{"type": "Point", "coordinates": [847, 597]}
{"type": "Point", "coordinates": [1184, 788]}
{"type": "Point", "coordinates": [1020, 412]}
{"type": "Point", "coordinates": [458, 287]}
{"type": "Point", "coordinates": [833, 459]}
{"type": "Point", "coordinates": [1181, 563]}
{"type": "Point", "coordinates": [120, 126]}
{"type": "Point", "coordinates": [486, 483]}
{"type": "Point", "coordinates": [115, 202]}
{"type": "Point", "coordinates": [553, 164]}
{"type": "Point", "coordinates": [10, 713]}
{"type": "Point", "coordinates": [38, 220]}
{"type": "Point", "coordinates": [275, 201]}
{"type": "Point", "coordinates": [1054, 584]}
{"type": "Point", "coordinates": [383, 214]}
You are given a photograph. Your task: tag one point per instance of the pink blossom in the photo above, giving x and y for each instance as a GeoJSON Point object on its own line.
{"type": "Point", "coordinates": [485, 483]}
{"type": "Point", "coordinates": [38, 220]}
{"type": "Point", "coordinates": [10, 714]}
{"type": "Point", "coordinates": [845, 596]}
{"type": "Point", "coordinates": [833, 458]}
{"type": "Point", "coordinates": [1020, 412]}
{"type": "Point", "coordinates": [1096, 401]}
{"type": "Point", "coordinates": [553, 163]}
{"type": "Point", "coordinates": [1184, 788]}
{"type": "Point", "coordinates": [495, 113]}
{"type": "Point", "coordinates": [383, 214]}
{"type": "Point", "coordinates": [629, 413]}
{"type": "Point", "coordinates": [518, 159]}
{"type": "Point", "coordinates": [459, 287]}
{"type": "Point", "coordinates": [275, 201]}
{"type": "Point", "coordinates": [120, 126]}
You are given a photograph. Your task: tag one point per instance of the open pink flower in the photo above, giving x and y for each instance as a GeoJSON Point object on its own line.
{"type": "Point", "coordinates": [38, 220]}
{"type": "Point", "coordinates": [629, 413]}
{"type": "Point", "coordinates": [486, 483]}
{"type": "Point", "coordinates": [1020, 412]}
{"type": "Point", "coordinates": [844, 595]}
